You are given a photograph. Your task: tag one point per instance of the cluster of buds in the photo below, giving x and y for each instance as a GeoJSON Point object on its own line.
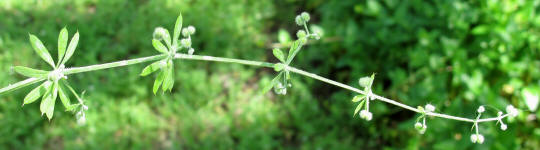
{"type": "Point", "coordinates": [422, 127]}
{"type": "Point", "coordinates": [477, 138]}
{"type": "Point", "coordinates": [160, 33]}
{"type": "Point", "coordinates": [186, 42]}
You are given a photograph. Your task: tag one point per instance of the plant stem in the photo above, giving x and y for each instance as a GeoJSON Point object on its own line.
{"type": "Point", "coordinates": [113, 64]}
{"type": "Point", "coordinates": [75, 70]}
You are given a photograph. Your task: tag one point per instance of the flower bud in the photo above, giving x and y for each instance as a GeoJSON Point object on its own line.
{"type": "Point", "coordinates": [159, 33]}
{"type": "Point", "coordinates": [364, 81]}
{"type": "Point", "coordinates": [299, 21]}
{"type": "Point", "coordinates": [191, 30]}
{"type": "Point", "coordinates": [418, 126]}
{"type": "Point", "coordinates": [481, 109]}
{"type": "Point", "coordinates": [305, 16]}
{"type": "Point", "coordinates": [513, 112]}
{"type": "Point", "coordinates": [301, 34]}
{"type": "Point", "coordinates": [430, 108]}
{"type": "Point", "coordinates": [480, 138]}
{"type": "Point", "coordinates": [474, 138]}
{"type": "Point", "coordinates": [185, 42]}
{"type": "Point", "coordinates": [190, 51]}
{"type": "Point", "coordinates": [503, 127]}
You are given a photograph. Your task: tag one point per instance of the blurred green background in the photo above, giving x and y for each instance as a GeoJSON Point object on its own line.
{"type": "Point", "coordinates": [456, 55]}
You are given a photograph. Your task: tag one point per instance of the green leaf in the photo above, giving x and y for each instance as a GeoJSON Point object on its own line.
{"type": "Point", "coordinates": [152, 68]}
{"type": "Point", "coordinates": [29, 72]}
{"type": "Point", "coordinates": [168, 81]}
{"type": "Point", "coordinates": [167, 37]}
{"type": "Point", "coordinates": [62, 43]}
{"type": "Point", "coordinates": [64, 97]}
{"type": "Point", "coordinates": [177, 28]}
{"type": "Point", "coordinates": [358, 107]}
{"type": "Point", "coordinates": [36, 93]}
{"type": "Point", "coordinates": [274, 81]}
{"type": "Point", "coordinates": [358, 98]}
{"type": "Point", "coordinates": [158, 81]}
{"type": "Point", "coordinates": [481, 29]}
{"type": "Point", "coordinates": [71, 48]}
{"type": "Point", "coordinates": [284, 37]}
{"type": "Point", "coordinates": [47, 104]}
{"type": "Point", "coordinates": [41, 50]}
{"type": "Point", "coordinates": [295, 47]}
{"type": "Point", "coordinates": [279, 54]}
{"type": "Point", "coordinates": [159, 46]}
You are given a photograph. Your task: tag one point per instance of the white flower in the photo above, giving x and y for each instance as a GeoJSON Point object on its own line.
{"type": "Point", "coordinates": [481, 109]}
{"type": "Point", "coordinates": [474, 138]}
{"type": "Point", "coordinates": [364, 114]}
{"type": "Point", "coordinates": [418, 125]}
{"type": "Point", "coordinates": [430, 108]}
{"type": "Point", "coordinates": [500, 113]}
{"type": "Point", "coordinates": [477, 138]}
{"type": "Point", "coordinates": [513, 112]}
{"type": "Point", "coordinates": [503, 127]}
{"type": "Point", "coordinates": [480, 138]}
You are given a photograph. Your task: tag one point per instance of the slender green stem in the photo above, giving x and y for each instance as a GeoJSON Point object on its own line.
{"type": "Point", "coordinates": [113, 64]}
{"type": "Point", "coordinates": [20, 84]}
{"type": "Point", "coordinates": [75, 70]}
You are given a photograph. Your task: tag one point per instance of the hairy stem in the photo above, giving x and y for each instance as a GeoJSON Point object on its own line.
{"type": "Point", "coordinates": [75, 70]}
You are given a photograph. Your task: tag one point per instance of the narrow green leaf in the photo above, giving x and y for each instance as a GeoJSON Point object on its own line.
{"type": "Point", "coordinates": [269, 86]}
{"type": "Point", "coordinates": [62, 43]}
{"type": "Point", "coordinates": [177, 28]}
{"type": "Point", "coordinates": [358, 98]}
{"type": "Point", "coordinates": [71, 48]}
{"type": "Point", "coordinates": [50, 105]}
{"type": "Point", "coordinates": [151, 68]}
{"type": "Point", "coordinates": [279, 54]}
{"type": "Point", "coordinates": [168, 81]}
{"type": "Point", "coordinates": [64, 97]}
{"type": "Point", "coordinates": [36, 93]}
{"type": "Point", "coordinates": [41, 50]}
{"type": "Point", "coordinates": [158, 81]}
{"type": "Point", "coordinates": [29, 72]}
{"type": "Point", "coordinates": [167, 38]}
{"type": "Point", "coordinates": [358, 107]}
{"type": "Point", "coordinates": [295, 47]}
{"type": "Point", "coordinates": [47, 97]}
{"type": "Point", "coordinates": [159, 46]}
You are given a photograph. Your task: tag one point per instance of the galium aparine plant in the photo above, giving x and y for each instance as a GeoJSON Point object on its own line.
{"type": "Point", "coordinates": [55, 81]}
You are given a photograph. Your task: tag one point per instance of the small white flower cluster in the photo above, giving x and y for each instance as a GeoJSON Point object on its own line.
{"type": "Point", "coordinates": [512, 112]}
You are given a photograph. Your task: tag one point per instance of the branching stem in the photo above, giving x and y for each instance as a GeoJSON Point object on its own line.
{"type": "Point", "coordinates": [75, 70]}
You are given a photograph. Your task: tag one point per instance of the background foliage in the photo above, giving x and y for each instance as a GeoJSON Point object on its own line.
{"type": "Point", "coordinates": [456, 55]}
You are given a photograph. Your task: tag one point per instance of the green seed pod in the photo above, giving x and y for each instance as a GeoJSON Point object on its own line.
{"type": "Point", "coordinates": [305, 16]}
{"type": "Point", "coordinates": [301, 34]}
